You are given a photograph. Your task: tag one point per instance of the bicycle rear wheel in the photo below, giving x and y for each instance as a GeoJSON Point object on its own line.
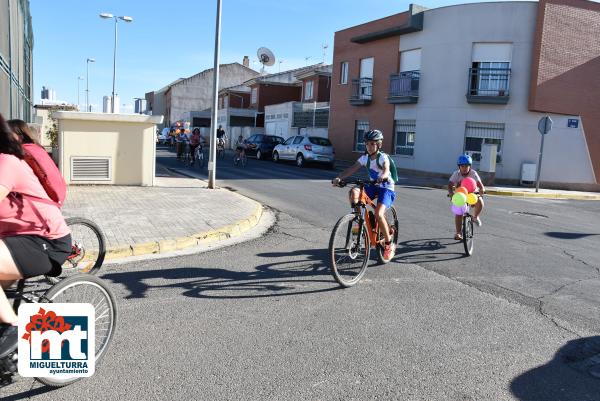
{"type": "Point", "coordinates": [349, 250]}
{"type": "Point", "coordinates": [392, 219]}
{"type": "Point", "coordinates": [467, 234]}
{"type": "Point", "coordinates": [88, 249]}
{"type": "Point", "coordinates": [83, 288]}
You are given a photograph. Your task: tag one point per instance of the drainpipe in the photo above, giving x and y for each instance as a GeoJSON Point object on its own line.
{"type": "Point", "coordinates": [10, 73]}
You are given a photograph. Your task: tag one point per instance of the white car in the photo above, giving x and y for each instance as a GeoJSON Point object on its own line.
{"type": "Point", "coordinates": [163, 136]}
{"type": "Point", "coordinates": [304, 149]}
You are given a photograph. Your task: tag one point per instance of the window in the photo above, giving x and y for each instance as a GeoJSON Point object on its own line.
{"type": "Point", "coordinates": [285, 115]}
{"type": "Point", "coordinates": [253, 95]}
{"type": "Point", "coordinates": [225, 102]}
{"type": "Point", "coordinates": [278, 115]}
{"type": "Point", "coordinates": [298, 140]}
{"type": "Point", "coordinates": [404, 137]}
{"type": "Point", "coordinates": [316, 140]}
{"type": "Point", "coordinates": [308, 90]}
{"type": "Point", "coordinates": [492, 78]}
{"type": "Point", "coordinates": [344, 73]}
{"type": "Point", "coordinates": [359, 135]}
{"type": "Point", "coordinates": [478, 133]}
{"type": "Point", "coordinates": [289, 140]}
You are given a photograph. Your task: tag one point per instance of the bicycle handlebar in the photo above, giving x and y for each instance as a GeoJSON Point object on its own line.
{"type": "Point", "coordinates": [358, 182]}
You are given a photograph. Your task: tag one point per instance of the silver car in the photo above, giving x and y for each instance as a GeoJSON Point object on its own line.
{"type": "Point", "coordinates": [304, 149]}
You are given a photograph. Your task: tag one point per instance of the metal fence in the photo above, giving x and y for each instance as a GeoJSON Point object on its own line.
{"type": "Point", "coordinates": [310, 115]}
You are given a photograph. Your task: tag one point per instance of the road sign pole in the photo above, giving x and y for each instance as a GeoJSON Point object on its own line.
{"type": "Point", "coordinates": [539, 166]}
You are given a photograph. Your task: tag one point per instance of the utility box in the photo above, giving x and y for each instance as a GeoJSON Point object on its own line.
{"type": "Point", "coordinates": [488, 157]}
{"type": "Point", "coordinates": [528, 173]}
{"type": "Point", "coordinates": [113, 149]}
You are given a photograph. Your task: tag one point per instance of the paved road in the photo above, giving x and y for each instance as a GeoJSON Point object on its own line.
{"type": "Point", "coordinates": [264, 319]}
{"type": "Point", "coordinates": [538, 252]}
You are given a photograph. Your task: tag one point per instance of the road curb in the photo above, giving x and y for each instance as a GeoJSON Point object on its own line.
{"type": "Point", "coordinates": [179, 243]}
{"type": "Point", "coordinates": [520, 194]}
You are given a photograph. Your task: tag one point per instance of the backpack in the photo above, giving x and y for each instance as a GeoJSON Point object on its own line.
{"type": "Point", "coordinates": [393, 169]}
{"type": "Point", "coordinates": [46, 171]}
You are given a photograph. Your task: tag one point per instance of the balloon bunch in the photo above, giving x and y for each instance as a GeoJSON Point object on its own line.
{"type": "Point", "coordinates": [464, 196]}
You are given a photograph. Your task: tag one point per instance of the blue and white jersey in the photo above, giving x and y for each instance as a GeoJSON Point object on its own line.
{"type": "Point", "coordinates": [375, 172]}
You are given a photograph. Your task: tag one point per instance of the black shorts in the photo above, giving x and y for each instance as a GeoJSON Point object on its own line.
{"type": "Point", "coordinates": [36, 256]}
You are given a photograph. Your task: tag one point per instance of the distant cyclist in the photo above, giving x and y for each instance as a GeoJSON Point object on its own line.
{"type": "Point", "coordinates": [221, 136]}
{"type": "Point", "coordinates": [464, 163]}
{"type": "Point", "coordinates": [240, 147]}
{"type": "Point", "coordinates": [378, 166]}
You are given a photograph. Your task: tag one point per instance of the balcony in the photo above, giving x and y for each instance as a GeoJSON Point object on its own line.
{"type": "Point", "coordinates": [404, 87]}
{"type": "Point", "coordinates": [362, 91]}
{"type": "Point", "coordinates": [488, 85]}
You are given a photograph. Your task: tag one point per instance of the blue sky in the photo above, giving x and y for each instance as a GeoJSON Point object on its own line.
{"type": "Point", "coordinates": [175, 38]}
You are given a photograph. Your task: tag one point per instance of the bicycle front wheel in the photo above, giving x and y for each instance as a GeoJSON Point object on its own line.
{"type": "Point", "coordinates": [83, 288]}
{"type": "Point", "coordinates": [349, 250]}
{"type": "Point", "coordinates": [467, 234]}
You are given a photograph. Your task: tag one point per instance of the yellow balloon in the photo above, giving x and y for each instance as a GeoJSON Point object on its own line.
{"type": "Point", "coordinates": [471, 199]}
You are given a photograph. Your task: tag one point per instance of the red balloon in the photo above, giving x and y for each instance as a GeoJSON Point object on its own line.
{"type": "Point", "coordinates": [469, 184]}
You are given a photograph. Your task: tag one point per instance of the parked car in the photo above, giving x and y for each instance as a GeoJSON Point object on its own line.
{"type": "Point", "coordinates": [163, 136]}
{"type": "Point", "coordinates": [261, 145]}
{"type": "Point", "coordinates": [304, 149]}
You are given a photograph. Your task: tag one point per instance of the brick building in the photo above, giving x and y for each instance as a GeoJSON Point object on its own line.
{"type": "Point", "coordinates": [455, 79]}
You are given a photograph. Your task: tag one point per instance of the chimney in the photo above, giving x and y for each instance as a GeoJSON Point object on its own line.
{"type": "Point", "coordinates": [246, 61]}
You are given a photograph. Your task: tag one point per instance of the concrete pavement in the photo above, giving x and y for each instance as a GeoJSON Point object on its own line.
{"type": "Point", "coordinates": [177, 213]}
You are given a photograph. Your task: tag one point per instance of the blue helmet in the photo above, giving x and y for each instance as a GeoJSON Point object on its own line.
{"type": "Point", "coordinates": [464, 159]}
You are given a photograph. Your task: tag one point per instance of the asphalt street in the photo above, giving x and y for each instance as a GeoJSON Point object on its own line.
{"type": "Point", "coordinates": [264, 320]}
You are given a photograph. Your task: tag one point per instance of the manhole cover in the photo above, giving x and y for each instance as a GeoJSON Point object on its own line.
{"type": "Point", "coordinates": [530, 214]}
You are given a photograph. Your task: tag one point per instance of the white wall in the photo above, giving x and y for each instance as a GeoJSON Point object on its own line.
{"type": "Point", "coordinates": [281, 125]}
{"type": "Point", "coordinates": [446, 44]}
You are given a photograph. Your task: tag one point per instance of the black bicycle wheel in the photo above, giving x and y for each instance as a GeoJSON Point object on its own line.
{"type": "Point", "coordinates": [349, 250]}
{"type": "Point", "coordinates": [467, 233]}
{"type": "Point", "coordinates": [83, 288]}
{"type": "Point", "coordinates": [88, 248]}
{"type": "Point", "coordinates": [391, 216]}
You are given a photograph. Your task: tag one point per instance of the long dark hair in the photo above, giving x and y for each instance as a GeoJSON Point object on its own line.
{"type": "Point", "coordinates": [9, 141]}
{"type": "Point", "coordinates": [21, 128]}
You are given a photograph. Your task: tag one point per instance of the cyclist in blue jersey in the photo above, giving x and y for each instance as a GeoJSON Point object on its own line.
{"type": "Point", "coordinates": [378, 166]}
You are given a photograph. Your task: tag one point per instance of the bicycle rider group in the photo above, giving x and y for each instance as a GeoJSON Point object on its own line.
{"type": "Point", "coordinates": [382, 176]}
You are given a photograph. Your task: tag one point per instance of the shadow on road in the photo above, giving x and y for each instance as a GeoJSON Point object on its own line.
{"type": "Point", "coordinates": [27, 394]}
{"type": "Point", "coordinates": [306, 275]}
{"type": "Point", "coordinates": [565, 235]}
{"type": "Point", "coordinates": [567, 377]}
{"type": "Point", "coordinates": [428, 250]}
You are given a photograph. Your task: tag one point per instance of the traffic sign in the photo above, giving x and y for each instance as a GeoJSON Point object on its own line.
{"type": "Point", "coordinates": [545, 125]}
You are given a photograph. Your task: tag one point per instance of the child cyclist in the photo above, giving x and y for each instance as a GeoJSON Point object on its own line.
{"type": "Point", "coordinates": [464, 163]}
{"type": "Point", "coordinates": [378, 166]}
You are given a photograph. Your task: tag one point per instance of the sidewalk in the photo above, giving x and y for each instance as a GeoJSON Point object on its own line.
{"type": "Point", "coordinates": [175, 214]}
{"type": "Point", "coordinates": [523, 192]}
{"type": "Point", "coordinates": [499, 190]}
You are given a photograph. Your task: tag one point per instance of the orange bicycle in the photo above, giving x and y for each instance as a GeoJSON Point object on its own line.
{"type": "Point", "coordinates": [355, 234]}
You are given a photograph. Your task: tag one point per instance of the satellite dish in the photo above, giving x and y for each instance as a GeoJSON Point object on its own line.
{"type": "Point", "coordinates": [266, 57]}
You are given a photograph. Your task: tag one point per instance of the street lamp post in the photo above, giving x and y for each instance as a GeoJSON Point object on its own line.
{"type": "Point", "coordinates": [78, 79]}
{"type": "Point", "coordinates": [87, 83]}
{"type": "Point", "coordinates": [116, 18]}
{"type": "Point", "coordinates": [212, 168]}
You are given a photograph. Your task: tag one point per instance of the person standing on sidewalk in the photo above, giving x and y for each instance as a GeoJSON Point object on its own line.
{"type": "Point", "coordinates": [34, 237]}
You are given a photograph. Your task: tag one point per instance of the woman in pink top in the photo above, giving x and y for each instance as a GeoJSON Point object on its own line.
{"type": "Point", "coordinates": [34, 238]}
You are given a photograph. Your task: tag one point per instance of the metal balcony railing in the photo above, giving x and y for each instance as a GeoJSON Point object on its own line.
{"type": "Point", "coordinates": [404, 87]}
{"type": "Point", "coordinates": [488, 85]}
{"type": "Point", "coordinates": [362, 91]}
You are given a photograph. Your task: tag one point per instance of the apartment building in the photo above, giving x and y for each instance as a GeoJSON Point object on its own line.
{"type": "Point", "coordinates": [440, 82]}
